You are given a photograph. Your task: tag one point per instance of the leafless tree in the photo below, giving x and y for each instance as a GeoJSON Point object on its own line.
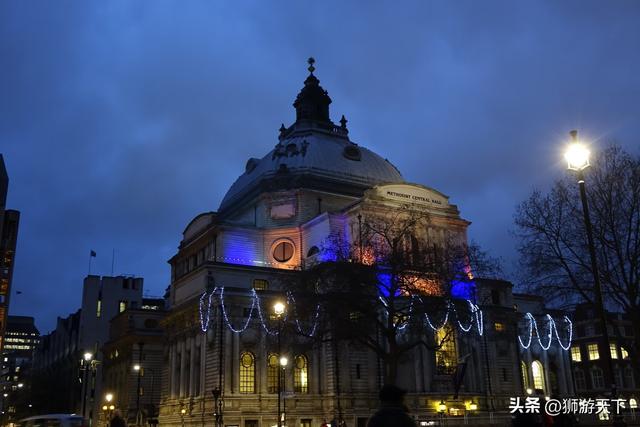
{"type": "Point", "coordinates": [553, 248]}
{"type": "Point", "coordinates": [376, 289]}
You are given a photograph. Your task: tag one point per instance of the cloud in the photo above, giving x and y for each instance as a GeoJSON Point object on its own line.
{"type": "Point", "coordinates": [121, 121]}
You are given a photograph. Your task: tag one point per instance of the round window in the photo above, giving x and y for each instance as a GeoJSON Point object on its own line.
{"type": "Point", "coordinates": [283, 251]}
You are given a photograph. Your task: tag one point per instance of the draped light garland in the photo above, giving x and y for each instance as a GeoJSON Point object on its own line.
{"type": "Point", "coordinates": [205, 313]}
{"type": "Point", "coordinates": [206, 301]}
{"type": "Point", "coordinates": [552, 329]}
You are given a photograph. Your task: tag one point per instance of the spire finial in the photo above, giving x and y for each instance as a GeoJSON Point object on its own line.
{"type": "Point", "coordinates": [311, 61]}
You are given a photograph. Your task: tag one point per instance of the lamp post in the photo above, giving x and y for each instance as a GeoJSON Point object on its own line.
{"type": "Point", "coordinates": [108, 407]}
{"type": "Point", "coordinates": [87, 357]}
{"type": "Point", "coordinates": [139, 370]}
{"type": "Point", "coordinates": [577, 157]}
{"type": "Point", "coordinates": [217, 406]}
{"type": "Point", "coordinates": [279, 309]}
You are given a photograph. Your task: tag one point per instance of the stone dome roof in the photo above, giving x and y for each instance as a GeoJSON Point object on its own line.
{"type": "Point", "coordinates": [313, 153]}
{"type": "Point", "coordinates": [318, 157]}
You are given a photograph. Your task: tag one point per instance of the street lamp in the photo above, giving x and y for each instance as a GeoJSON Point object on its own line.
{"type": "Point", "coordinates": [577, 157]}
{"type": "Point", "coordinates": [108, 407]}
{"type": "Point", "coordinates": [217, 406]}
{"type": "Point", "coordinates": [279, 309]}
{"type": "Point", "coordinates": [87, 357]}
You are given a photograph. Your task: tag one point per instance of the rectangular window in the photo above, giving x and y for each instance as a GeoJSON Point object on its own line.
{"type": "Point", "coordinates": [122, 306]}
{"type": "Point", "coordinates": [592, 349]}
{"type": "Point", "coordinates": [260, 284]}
{"type": "Point", "coordinates": [99, 308]}
{"type": "Point", "coordinates": [581, 384]}
{"type": "Point", "coordinates": [624, 353]}
{"type": "Point", "coordinates": [614, 350]}
{"type": "Point", "coordinates": [576, 356]}
{"type": "Point", "coordinates": [499, 327]}
{"type": "Point", "coordinates": [597, 378]}
{"type": "Point", "coordinates": [446, 357]}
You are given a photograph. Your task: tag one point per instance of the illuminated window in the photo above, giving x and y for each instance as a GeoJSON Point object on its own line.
{"type": "Point", "coordinates": [592, 349]}
{"type": "Point", "coordinates": [272, 373]}
{"type": "Point", "coordinates": [597, 378]}
{"type": "Point", "coordinates": [446, 358]}
{"type": "Point", "coordinates": [624, 353]}
{"type": "Point", "coordinates": [578, 375]}
{"type": "Point", "coordinates": [537, 371]}
{"type": "Point", "coordinates": [499, 327]}
{"type": "Point", "coordinates": [99, 308]}
{"type": "Point", "coordinates": [283, 251]}
{"type": "Point", "coordinates": [614, 350]}
{"type": "Point", "coordinates": [525, 375]}
{"type": "Point", "coordinates": [300, 375]}
{"type": "Point", "coordinates": [247, 373]}
{"type": "Point", "coordinates": [260, 284]}
{"type": "Point", "coordinates": [122, 306]}
{"type": "Point", "coordinates": [576, 356]}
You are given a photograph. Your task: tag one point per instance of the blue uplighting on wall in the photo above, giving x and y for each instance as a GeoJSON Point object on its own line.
{"type": "Point", "coordinates": [463, 289]}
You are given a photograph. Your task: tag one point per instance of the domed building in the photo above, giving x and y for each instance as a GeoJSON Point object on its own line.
{"type": "Point", "coordinates": [221, 362]}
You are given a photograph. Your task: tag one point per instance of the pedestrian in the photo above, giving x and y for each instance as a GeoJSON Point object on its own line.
{"type": "Point", "coordinates": [117, 420]}
{"type": "Point", "coordinates": [392, 412]}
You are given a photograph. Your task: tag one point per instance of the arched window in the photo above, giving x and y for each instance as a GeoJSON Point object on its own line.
{"type": "Point", "coordinates": [272, 373]}
{"type": "Point", "coordinates": [300, 375]}
{"type": "Point", "coordinates": [247, 373]}
{"type": "Point", "coordinates": [525, 375]}
{"type": "Point", "coordinates": [537, 372]}
{"type": "Point", "coordinates": [446, 357]}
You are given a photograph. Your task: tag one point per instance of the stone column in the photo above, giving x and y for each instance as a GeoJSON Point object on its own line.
{"type": "Point", "coordinates": [192, 366]}
{"type": "Point", "coordinates": [183, 376]}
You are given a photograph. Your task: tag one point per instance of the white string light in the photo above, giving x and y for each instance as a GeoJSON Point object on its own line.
{"type": "Point", "coordinates": [552, 327]}
{"type": "Point", "coordinates": [476, 315]}
{"type": "Point", "coordinates": [226, 316]}
{"type": "Point", "coordinates": [204, 322]}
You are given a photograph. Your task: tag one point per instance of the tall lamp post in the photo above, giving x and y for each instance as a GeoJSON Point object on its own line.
{"type": "Point", "coordinates": [577, 157]}
{"type": "Point", "coordinates": [279, 309]}
{"type": "Point", "coordinates": [138, 369]}
{"type": "Point", "coordinates": [86, 366]}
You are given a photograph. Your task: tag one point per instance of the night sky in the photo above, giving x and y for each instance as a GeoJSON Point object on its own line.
{"type": "Point", "coordinates": [121, 121]}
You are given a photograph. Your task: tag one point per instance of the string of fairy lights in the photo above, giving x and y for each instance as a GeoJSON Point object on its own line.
{"type": "Point", "coordinates": [552, 329]}
{"type": "Point", "coordinates": [475, 318]}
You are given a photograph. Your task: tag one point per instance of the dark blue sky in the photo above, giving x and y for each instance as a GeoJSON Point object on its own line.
{"type": "Point", "coordinates": [120, 121]}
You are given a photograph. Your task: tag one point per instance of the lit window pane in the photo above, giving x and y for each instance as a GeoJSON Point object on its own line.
{"type": "Point", "coordinates": [576, 356]}
{"type": "Point", "coordinates": [300, 375]}
{"type": "Point", "coordinates": [247, 373]}
{"type": "Point", "coordinates": [538, 375]}
{"type": "Point", "coordinates": [592, 349]}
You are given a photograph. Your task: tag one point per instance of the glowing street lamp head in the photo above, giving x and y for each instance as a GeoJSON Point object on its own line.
{"type": "Point", "coordinates": [278, 308]}
{"type": "Point", "coordinates": [88, 356]}
{"type": "Point", "coordinates": [136, 367]}
{"type": "Point", "coordinates": [108, 397]}
{"type": "Point", "coordinates": [284, 361]}
{"type": "Point", "coordinates": [20, 385]}
{"type": "Point", "coordinates": [577, 154]}
{"type": "Point", "coordinates": [529, 391]}
{"type": "Point", "coordinates": [442, 406]}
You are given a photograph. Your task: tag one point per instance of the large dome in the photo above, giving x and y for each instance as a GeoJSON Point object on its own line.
{"type": "Point", "coordinates": [317, 158]}
{"type": "Point", "coordinates": [313, 153]}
